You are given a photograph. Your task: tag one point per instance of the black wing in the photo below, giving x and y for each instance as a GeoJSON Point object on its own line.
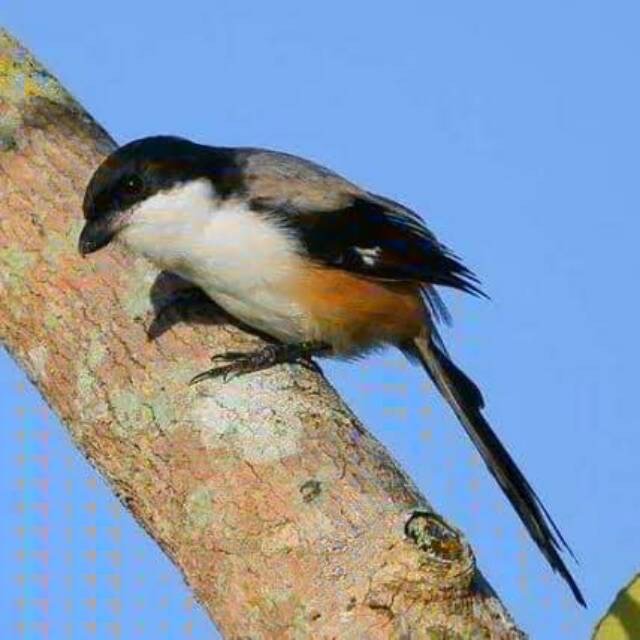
{"type": "Point", "coordinates": [372, 238]}
{"type": "Point", "coordinates": [343, 226]}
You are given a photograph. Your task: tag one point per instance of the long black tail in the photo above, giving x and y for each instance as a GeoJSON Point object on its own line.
{"type": "Point", "coordinates": [466, 400]}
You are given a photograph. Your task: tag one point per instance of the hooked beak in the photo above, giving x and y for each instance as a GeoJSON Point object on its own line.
{"type": "Point", "coordinates": [95, 235]}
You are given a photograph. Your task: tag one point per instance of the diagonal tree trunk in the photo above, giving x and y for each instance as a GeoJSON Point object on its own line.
{"type": "Point", "coordinates": [287, 519]}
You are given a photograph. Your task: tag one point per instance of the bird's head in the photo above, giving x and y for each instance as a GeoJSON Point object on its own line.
{"type": "Point", "coordinates": [124, 189]}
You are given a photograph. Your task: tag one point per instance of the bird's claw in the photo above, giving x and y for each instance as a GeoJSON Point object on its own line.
{"type": "Point", "coordinates": [240, 362]}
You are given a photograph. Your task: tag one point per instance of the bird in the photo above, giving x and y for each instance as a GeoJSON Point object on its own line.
{"type": "Point", "coordinates": [308, 258]}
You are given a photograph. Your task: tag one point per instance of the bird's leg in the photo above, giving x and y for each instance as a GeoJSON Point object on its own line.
{"type": "Point", "coordinates": [240, 362]}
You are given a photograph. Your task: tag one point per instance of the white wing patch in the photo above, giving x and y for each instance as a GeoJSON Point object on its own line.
{"type": "Point", "coordinates": [369, 256]}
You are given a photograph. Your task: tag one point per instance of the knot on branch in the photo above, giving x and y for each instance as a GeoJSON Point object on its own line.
{"type": "Point", "coordinates": [436, 539]}
{"type": "Point", "coordinates": [434, 565]}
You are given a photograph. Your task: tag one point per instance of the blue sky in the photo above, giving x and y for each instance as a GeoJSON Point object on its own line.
{"type": "Point", "coordinates": [513, 129]}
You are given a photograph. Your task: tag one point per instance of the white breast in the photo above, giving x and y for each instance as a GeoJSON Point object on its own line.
{"type": "Point", "coordinates": [241, 259]}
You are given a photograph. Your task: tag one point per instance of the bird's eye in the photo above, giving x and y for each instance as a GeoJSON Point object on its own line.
{"type": "Point", "coordinates": [131, 185]}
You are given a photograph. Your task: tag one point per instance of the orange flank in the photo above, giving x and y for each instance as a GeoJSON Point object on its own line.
{"type": "Point", "coordinates": [352, 312]}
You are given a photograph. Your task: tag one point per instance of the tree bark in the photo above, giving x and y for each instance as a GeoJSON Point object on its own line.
{"type": "Point", "coordinates": [286, 518]}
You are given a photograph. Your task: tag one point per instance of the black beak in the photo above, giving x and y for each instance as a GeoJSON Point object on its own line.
{"type": "Point", "coordinates": [95, 235]}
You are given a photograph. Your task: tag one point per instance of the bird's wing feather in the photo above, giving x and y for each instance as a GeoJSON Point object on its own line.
{"type": "Point", "coordinates": [282, 179]}
{"type": "Point", "coordinates": [343, 226]}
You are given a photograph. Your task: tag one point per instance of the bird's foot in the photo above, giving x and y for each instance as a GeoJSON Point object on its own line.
{"type": "Point", "coordinates": [240, 362]}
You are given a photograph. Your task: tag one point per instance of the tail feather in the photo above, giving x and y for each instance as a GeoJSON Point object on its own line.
{"type": "Point", "coordinates": [467, 402]}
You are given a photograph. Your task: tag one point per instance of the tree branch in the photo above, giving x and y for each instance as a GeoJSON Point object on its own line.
{"type": "Point", "coordinates": [285, 516]}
